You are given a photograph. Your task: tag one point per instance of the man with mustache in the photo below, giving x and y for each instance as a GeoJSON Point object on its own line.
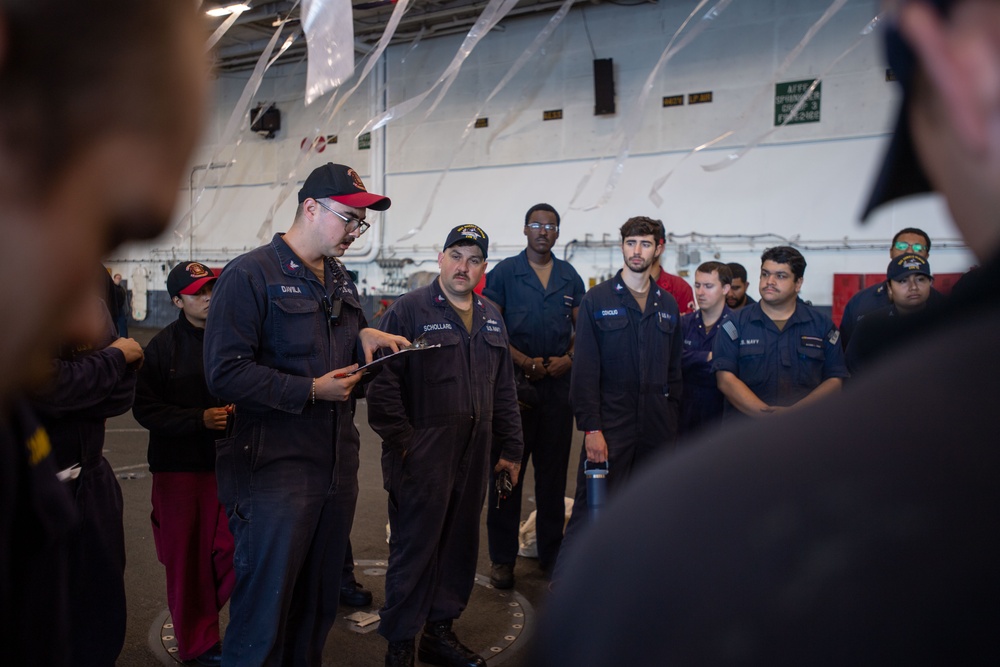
{"type": "Point", "coordinates": [438, 413]}
{"type": "Point", "coordinates": [284, 333]}
{"type": "Point", "coordinates": [778, 352]}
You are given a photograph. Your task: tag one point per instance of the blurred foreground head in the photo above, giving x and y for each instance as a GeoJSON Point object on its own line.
{"type": "Point", "coordinates": [102, 106]}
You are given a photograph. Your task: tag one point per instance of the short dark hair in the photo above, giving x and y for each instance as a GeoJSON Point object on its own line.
{"type": "Point", "coordinates": [640, 225]}
{"type": "Point", "coordinates": [912, 230]}
{"type": "Point", "coordinates": [784, 254]}
{"type": "Point", "coordinates": [738, 271]}
{"type": "Point", "coordinates": [725, 275]}
{"type": "Point", "coordinates": [541, 207]}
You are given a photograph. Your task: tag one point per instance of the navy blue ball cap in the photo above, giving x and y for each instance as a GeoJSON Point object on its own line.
{"type": "Point", "coordinates": [469, 232]}
{"type": "Point", "coordinates": [908, 265]}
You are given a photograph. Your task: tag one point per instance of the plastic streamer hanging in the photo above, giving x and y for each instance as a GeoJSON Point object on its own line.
{"type": "Point", "coordinates": [527, 55]}
{"type": "Point", "coordinates": [237, 121]}
{"type": "Point", "coordinates": [329, 28]}
{"type": "Point", "coordinates": [634, 119]}
{"type": "Point", "coordinates": [733, 157]}
{"type": "Point", "coordinates": [327, 115]}
{"type": "Point", "coordinates": [225, 26]}
{"type": "Point", "coordinates": [744, 117]}
{"type": "Point", "coordinates": [494, 12]}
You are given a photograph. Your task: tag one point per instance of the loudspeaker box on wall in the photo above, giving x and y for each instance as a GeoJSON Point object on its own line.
{"type": "Point", "coordinates": [604, 87]}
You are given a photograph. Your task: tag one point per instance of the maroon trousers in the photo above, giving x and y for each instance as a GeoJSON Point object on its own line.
{"type": "Point", "coordinates": [194, 544]}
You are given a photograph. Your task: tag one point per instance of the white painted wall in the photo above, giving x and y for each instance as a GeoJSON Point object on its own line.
{"type": "Point", "coordinates": [805, 183]}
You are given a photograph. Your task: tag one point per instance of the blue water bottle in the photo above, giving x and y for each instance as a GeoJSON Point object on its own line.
{"type": "Point", "coordinates": [597, 486]}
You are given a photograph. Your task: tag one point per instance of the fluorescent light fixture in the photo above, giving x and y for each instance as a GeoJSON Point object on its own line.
{"type": "Point", "coordinates": [226, 11]}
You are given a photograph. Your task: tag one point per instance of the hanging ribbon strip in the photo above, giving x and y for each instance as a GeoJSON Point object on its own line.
{"type": "Point", "coordinates": [494, 12]}
{"type": "Point", "coordinates": [333, 106]}
{"type": "Point", "coordinates": [238, 120]}
{"type": "Point", "coordinates": [224, 27]}
{"type": "Point", "coordinates": [634, 120]}
{"type": "Point", "coordinates": [733, 157]}
{"type": "Point", "coordinates": [329, 28]}
{"type": "Point", "coordinates": [527, 55]}
{"type": "Point", "coordinates": [764, 93]}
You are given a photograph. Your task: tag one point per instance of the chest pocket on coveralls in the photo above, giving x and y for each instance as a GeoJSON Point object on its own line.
{"type": "Point", "coordinates": [442, 366]}
{"type": "Point", "coordinates": [613, 331]}
{"type": "Point", "coordinates": [810, 366]}
{"type": "Point", "coordinates": [295, 325]}
{"type": "Point", "coordinates": [752, 363]}
{"type": "Point", "coordinates": [496, 346]}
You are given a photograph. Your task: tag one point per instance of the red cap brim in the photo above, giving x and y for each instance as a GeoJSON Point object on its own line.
{"type": "Point", "coordinates": [196, 286]}
{"type": "Point", "coordinates": [364, 200]}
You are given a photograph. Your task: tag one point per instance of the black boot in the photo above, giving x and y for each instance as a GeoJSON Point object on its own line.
{"type": "Point", "coordinates": [440, 646]}
{"type": "Point", "coordinates": [399, 654]}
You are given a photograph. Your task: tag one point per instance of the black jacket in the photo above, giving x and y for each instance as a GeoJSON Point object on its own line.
{"type": "Point", "coordinates": [171, 399]}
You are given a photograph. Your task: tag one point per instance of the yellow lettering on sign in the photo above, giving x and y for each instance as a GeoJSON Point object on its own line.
{"type": "Point", "coordinates": [699, 98]}
{"type": "Point", "coordinates": [555, 114]}
{"type": "Point", "coordinates": [673, 101]}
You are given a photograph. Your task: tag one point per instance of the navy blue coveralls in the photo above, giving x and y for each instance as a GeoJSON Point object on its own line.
{"type": "Point", "coordinates": [540, 324]}
{"type": "Point", "coordinates": [626, 382]}
{"type": "Point", "coordinates": [702, 402]}
{"type": "Point", "coordinates": [288, 475]}
{"type": "Point", "coordinates": [88, 386]}
{"type": "Point", "coordinates": [780, 367]}
{"type": "Point", "coordinates": [37, 517]}
{"type": "Point", "coordinates": [438, 412]}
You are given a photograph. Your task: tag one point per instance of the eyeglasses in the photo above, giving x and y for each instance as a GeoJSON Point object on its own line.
{"type": "Point", "coordinates": [350, 222]}
{"type": "Point", "coordinates": [548, 226]}
{"type": "Point", "coordinates": [904, 246]}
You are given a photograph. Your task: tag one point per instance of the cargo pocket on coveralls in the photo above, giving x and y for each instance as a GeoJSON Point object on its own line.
{"type": "Point", "coordinates": [225, 471]}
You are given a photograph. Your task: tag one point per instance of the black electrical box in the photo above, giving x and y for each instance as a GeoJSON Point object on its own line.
{"type": "Point", "coordinates": [604, 87]}
{"type": "Point", "coordinates": [265, 121]}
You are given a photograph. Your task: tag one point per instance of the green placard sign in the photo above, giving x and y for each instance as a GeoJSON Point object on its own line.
{"type": "Point", "coordinates": [365, 141]}
{"type": "Point", "coordinates": [788, 94]}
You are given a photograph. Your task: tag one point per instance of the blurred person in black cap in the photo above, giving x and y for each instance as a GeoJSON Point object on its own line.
{"type": "Point", "coordinates": [283, 334]}
{"type": "Point", "coordinates": [92, 151]}
{"type": "Point", "coordinates": [909, 283]}
{"type": "Point", "coordinates": [92, 378]}
{"type": "Point", "coordinates": [862, 529]}
{"type": "Point", "coordinates": [189, 523]}
{"type": "Point", "coordinates": [438, 413]}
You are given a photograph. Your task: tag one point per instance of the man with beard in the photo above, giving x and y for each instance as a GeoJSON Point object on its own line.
{"type": "Point", "coordinates": [539, 297]}
{"type": "Point", "coordinates": [779, 352]}
{"type": "Point", "coordinates": [738, 297]}
{"type": "Point", "coordinates": [626, 380]}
